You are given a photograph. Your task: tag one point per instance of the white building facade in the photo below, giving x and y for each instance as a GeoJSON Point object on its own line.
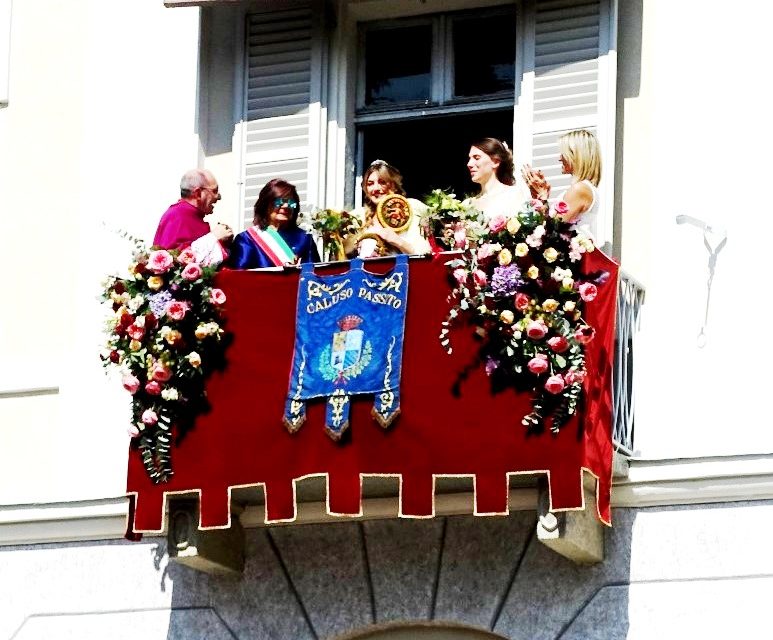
{"type": "Point", "coordinates": [104, 104]}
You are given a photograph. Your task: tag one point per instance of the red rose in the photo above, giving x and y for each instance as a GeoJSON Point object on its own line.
{"type": "Point", "coordinates": [135, 332]}
{"type": "Point", "coordinates": [554, 384]}
{"type": "Point", "coordinates": [536, 330]}
{"type": "Point", "coordinates": [521, 301]}
{"type": "Point", "coordinates": [160, 372]}
{"type": "Point", "coordinates": [119, 287]}
{"type": "Point", "coordinates": [176, 310]}
{"type": "Point", "coordinates": [153, 388]}
{"type": "Point", "coordinates": [559, 344]}
{"type": "Point", "coordinates": [479, 277]}
{"type": "Point", "coordinates": [114, 357]}
{"type": "Point", "coordinates": [150, 321]}
{"type": "Point", "coordinates": [538, 364]}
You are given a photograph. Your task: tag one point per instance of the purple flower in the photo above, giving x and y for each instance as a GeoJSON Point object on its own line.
{"type": "Point", "coordinates": [491, 364]}
{"type": "Point", "coordinates": [506, 280]}
{"type": "Point", "coordinates": [158, 302]}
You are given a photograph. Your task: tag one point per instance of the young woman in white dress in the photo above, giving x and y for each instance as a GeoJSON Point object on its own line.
{"type": "Point", "coordinates": [379, 180]}
{"type": "Point", "coordinates": [581, 158]}
{"type": "Point", "coordinates": [490, 163]}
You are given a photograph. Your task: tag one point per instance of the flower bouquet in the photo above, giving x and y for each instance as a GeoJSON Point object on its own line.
{"type": "Point", "coordinates": [333, 226]}
{"type": "Point", "coordinates": [449, 223]}
{"type": "Point", "coordinates": [164, 335]}
{"type": "Point", "coordinates": [522, 289]}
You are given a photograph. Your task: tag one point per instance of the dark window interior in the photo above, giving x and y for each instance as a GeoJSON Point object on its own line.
{"type": "Point", "coordinates": [484, 55]}
{"type": "Point", "coordinates": [432, 152]}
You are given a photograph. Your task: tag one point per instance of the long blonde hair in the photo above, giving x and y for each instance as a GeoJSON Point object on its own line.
{"type": "Point", "coordinates": [582, 150]}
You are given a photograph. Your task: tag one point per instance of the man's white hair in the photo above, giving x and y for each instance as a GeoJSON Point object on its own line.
{"type": "Point", "coordinates": [194, 179]}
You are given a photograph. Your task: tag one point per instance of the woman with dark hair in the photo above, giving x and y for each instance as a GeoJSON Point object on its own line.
{"type": "Point", "coordinates": [490, 163]}
{"type": "Point", "coordinates": [380, 180]}
{"type": "Point", "coordinates": [275, 239]}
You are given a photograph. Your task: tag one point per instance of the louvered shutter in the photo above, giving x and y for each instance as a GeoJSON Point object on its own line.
{"type": "Point", "coordinates": [279, 102]}
{"type": "Point", "coordinates": [572, 83]}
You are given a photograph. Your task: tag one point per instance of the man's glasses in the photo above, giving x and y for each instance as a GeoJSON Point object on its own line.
{"type": "Point", "coordinates": [285, 202]}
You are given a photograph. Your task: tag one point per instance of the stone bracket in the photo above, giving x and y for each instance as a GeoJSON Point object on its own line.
{"type": "Point", "coordinates": [218, 551]}
{"type": "Point", "coordinates": [576, 535]}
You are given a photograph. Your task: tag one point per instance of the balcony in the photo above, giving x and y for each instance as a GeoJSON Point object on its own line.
{"type": "Point", "coordinates": [456, 448]}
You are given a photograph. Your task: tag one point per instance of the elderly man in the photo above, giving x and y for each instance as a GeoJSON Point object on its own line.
{"type": "Point", "coordinates": [183, 225]}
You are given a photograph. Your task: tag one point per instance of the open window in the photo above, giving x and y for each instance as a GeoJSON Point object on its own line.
{"type": "Point", "coordinates": [428, 86]}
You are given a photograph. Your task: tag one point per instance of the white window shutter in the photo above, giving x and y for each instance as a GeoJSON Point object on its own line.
{"type": "Point", "coordinates": [569, 83]}
{"type": "Point", "coordinates": [279, 135]}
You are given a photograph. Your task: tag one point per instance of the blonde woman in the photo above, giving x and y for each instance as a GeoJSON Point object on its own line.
{"type": "Point", "coordinates": [581, 158]}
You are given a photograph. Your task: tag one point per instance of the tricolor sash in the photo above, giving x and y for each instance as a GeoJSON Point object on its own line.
{"type": "Point", "coordinates": [273, 245]}
{"type": "Point", "coordinates": [348, 341]}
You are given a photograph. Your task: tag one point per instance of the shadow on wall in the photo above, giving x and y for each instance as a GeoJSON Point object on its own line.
{"type": "Point", "coordinates": [629, 38]}
{"type": "Point", "coordinates": [485, 577]}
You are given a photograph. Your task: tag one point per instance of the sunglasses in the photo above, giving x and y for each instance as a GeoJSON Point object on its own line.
{"type": "Point", "coordinates": [280, 202]}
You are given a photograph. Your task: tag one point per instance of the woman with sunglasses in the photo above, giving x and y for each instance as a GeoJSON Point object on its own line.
{"type": "Point", "coordinates": [380, 180]}
{"type": "Point", "coordinates": [275, 240]}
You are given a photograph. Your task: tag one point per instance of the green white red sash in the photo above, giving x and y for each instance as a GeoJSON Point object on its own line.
{"type": "Point", "coordinates": [273, 245]}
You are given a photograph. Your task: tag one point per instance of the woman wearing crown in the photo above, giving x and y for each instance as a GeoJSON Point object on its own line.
{"type": "Point", "coordinates": [490, 163]}
{"type": "Point", "coordinates": [389, 220]}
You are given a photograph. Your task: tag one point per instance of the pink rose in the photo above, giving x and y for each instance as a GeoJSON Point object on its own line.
{"type": "Point", "coordinates": [559, 344]}
{"type": "Point", "coordinates": [176, 310]}
{"type": "Point", "coordinates": [160, 261]}
{"type": "Point", "coordinates": [497, 223]}
{"type": "Point", "coordinates": [130, 383]}
{"type": "Point", "coordinates": [135, 332]}
{"type": "Point", "coordinates": [460, 275]}
{"type": "Point", "coordinates": [186, 256]}
{"type": "Point", "coordinates": [588, 291]}
{"type": "Point", "coordinates": [217, 297]}
{"type": "Point", "coordinates": [160, 372]}
{"type": "Point", "coordinates": [460, 236]}
{"type": "Point", "coordinates": [554, 384]}
{"type": "Point", "coordinates": [522, 301]}
{"type": "Point", "coordinates": [585, 334]}
{"type": "Point", "coordinates": [153, 388]}
{"type": "Point", "coordinates": [537, 205]}
{"type": "Point", "coordinates": [479, 277]}
{"type": "Point", "coordinates": [149, 417]}
{"type": "Point", "coordinates": [561, 208]}
{"type": "Point", "coordinates": [575, 377]}
{"type": "Point", "coordinates": [486, 251]}
{"type": "Point", "coordinates": [133, 430]}
{"type": "Point", "coordinates": [192, 272]}
{"type": "Point", "coordinates": [536, 330]}
{"type": "Point", "coordinates": [538, 364]}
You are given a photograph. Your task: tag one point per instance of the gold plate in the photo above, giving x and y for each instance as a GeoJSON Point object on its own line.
{"type": "Point", "coordinates": [394, 212]}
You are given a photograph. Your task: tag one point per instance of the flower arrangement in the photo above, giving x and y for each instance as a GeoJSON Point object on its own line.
{"type": "Point", "coordinates": [450, 223]}
{"type": "Point", "coordinates": [520, 286]}
{"type": "Point", "coordinates": [333, 225]}
{"type": "Point", "coordinates": [164, 335]}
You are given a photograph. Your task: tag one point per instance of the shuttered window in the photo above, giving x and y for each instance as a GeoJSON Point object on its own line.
{"type": "Point", "coordinates": [569, 80]}
{"type": "Point", "coordinates": [278, 96]}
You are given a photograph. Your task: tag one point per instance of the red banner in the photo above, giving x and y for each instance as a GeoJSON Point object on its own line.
{"type": "Point", "coordinates": [241, 442]}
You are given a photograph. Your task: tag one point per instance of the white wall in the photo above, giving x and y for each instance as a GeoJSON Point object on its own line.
{"type": "Point", "coordinates": [100, 125]}
{"type": "Point", "coordinates": [697, 142]}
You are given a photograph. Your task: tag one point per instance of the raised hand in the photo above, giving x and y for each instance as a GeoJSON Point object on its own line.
{"type": "Point", "coordinates": [535, 180]}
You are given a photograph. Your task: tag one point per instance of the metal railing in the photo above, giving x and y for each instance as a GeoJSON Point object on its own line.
{"type": "Point", "coordinates": [630, 299]}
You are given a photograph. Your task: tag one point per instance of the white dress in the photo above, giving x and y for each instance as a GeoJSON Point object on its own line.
{"type": "Point", "coordinates": [413, 233]}
{"type": "Point", "coordinates": [588, 222]}
{"type": "Point", "coordinates": [505, 201]}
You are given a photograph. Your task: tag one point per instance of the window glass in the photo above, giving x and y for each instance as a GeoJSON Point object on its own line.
{"type": "Point", "coordinates": [484, 55]}
{"type": "Point", "coordinates": [397, 65]}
